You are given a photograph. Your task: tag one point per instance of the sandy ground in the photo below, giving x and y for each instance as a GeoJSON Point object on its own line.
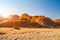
{"type": "Point", "coordinates": [29, 34]}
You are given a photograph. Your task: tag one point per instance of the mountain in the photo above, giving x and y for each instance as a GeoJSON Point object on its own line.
{"type": "Point", "coordinates": [13, 16]}
{"type": "Point", "coordinates": [28, 21]}
{"type": "Point", "coordinates": [57, 23]}
{"type": "Point", "coordinates": [57, 20]}
{"type": "Point", "coordinates": [42, 20]}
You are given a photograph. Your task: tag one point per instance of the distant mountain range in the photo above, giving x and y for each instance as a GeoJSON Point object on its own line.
{"type": "Point", "coordinates": [28, 21]}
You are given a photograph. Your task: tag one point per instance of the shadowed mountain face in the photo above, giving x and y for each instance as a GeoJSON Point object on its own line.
{"type": "Point", "coordinates": [27, 21]}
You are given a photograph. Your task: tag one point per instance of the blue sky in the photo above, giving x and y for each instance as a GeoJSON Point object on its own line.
{"type": "Point", "coordinates": [49, 8]}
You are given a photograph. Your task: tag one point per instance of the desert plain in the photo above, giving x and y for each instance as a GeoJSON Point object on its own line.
{"type": "Point", "coordinates": [29, 34]}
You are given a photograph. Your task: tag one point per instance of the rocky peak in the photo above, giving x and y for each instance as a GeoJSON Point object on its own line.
{"type": "Point", "coordinates": [14, 16]}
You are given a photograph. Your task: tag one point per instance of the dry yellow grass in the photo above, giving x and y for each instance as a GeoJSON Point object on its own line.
{"type": "Point", "coordinates": [29, 34]}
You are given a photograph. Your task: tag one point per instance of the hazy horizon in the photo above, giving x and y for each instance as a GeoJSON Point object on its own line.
{"type": "Point", "coordinates": [49, 8]}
